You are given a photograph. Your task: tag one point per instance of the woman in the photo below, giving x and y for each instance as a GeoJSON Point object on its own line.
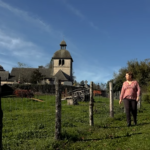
{"type": "Point", "coordinates": [130, 93]}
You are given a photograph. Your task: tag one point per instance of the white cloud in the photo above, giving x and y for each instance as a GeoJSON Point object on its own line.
{"type": "Point", "coordinates": [75, 11]}
{"type": "Point", "coordinates": [54, 34]}
{"type": "Point", "coordinates": [93, 25]}
{"type": "Point", "coordinates": [26, 16]}
{"type": "Point", "coordinates": [17, 46]}
{"type": "Point", "coordinates": [14, 49]}
{"type": "Point", "coordinates": [79, 14]}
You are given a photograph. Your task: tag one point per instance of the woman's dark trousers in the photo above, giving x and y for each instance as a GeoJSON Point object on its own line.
{"type": "Point", "coordinates": [130, 106]}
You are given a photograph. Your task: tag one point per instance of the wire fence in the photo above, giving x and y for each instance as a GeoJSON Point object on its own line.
{"type": "Point", "coordinates": [26, 121]}
{"type": "Point", "coordinates": [30, 124]}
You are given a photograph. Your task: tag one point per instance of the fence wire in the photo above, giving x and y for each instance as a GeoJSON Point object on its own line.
{"type": "Point", "coordinates": [76, 117]}
{"type": "Point", "coordinates": [30, 124]}
{"type": "Point", "coordinates": [27, 124]}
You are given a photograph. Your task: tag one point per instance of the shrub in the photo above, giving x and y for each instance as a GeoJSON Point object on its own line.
{"type": "Point", "coordinates": [23, 93]}
{"type": "Point", "coordinates": [146, 98]}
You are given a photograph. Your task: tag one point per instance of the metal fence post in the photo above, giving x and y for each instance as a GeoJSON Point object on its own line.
{"type": "Point", "coordinates": [58, 110]}
{"type": "Point", "coordinates": [1, 118]}
{"type": "Point", "coordinates": [91, 104]}
{"type": "Point", "coordinates": [111, 99]}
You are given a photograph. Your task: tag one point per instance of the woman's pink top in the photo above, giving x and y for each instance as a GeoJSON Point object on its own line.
{"type": "Point", "coordinates": [130, 91]}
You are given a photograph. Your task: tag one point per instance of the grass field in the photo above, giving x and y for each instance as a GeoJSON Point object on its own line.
{"type": "Point", "coordinates": [29, 125]}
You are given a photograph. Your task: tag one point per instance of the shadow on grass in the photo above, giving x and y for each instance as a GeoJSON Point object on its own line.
{"type": "Point", "coordinates": [8, 96]}
{"type": "Point", "coordinates": [76, 138]}
{"type": "Point", "coordinates": [141, 124]}
{"type": "Point", "coordinates": [110, 137]}
{"type": "Point", "coordinates": [70, 136]}
{"type": "Point", "coordinates": [132, 125]}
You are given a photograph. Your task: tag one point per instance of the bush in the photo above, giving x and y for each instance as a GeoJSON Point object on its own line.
{"type": "Point", "coordinates": [146, 98]}
{"type": "Point", "coordinates": [23, 93]}
{"type": "Point", "coordinates": [36, 88]}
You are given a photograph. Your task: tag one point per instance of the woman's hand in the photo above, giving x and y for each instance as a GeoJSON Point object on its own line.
{"type": "Point", "coordinates": [120, 101]}
{"type": "Point", "coordinates": [137, 99]}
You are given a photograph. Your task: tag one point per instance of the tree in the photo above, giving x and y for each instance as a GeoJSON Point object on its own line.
{"type": "Point", "coordinates": [102, 86]}
{"type": "Point", "coordinates": [47, 65]}
{"type": "Point", "coordinates": [73, 77]}
{"type": "Point", "coordinates": [141, 72]}
{"type": "Point", "coordinates": [36, 76]}
{"type": "Point", "coordinates": [22, 77]}
{"type": "Point", "coordinates": [22, 65]}
{"type": "Point", "coordinates": [94, 86]}
{"type": "Point", "coordinates": [98, 87]}
{"type": "Point", "coordinates": [75, 83]}
{"type": "Point", "coordinates": [82, 83]}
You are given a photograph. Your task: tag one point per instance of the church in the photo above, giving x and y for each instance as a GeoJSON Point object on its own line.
{"type": "Point", "coordinates": [60, 67]}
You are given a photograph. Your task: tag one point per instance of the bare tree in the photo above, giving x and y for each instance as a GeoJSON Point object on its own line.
{"type": "Point", "coordinates": [22, 65]}
{"type": "Point", "coordinates": [22, 77]}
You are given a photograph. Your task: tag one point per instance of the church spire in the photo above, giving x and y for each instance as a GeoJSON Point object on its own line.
{"type": "Point", "coordinates": [63, 45]}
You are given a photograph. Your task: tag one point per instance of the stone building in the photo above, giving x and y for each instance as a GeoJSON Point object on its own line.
{"type": "Point", "coordinates": [60, 67]}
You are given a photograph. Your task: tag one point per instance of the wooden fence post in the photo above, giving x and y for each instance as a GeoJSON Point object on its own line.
{"type": "Point", "coordinates": [66, 93]}
{"type": "Point", "coordinates": [1, 118]}
{"type": "Point", "coordinates": [139, 102]}
{"type": "Point", "coordinates": [111, 99]}
{"type": "Point", "coordinates": [91, 104]}
{"type": "Point", "coordinates": [58, 110]}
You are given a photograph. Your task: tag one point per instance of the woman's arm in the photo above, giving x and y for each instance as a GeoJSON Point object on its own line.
{"type": "Point", "coordinates": [138, 89]}
{"type": "Point", "coordinates": [122, 92]}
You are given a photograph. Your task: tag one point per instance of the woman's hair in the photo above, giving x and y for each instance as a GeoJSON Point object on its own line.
{"type": "Point", "coordinates": [130, 74]}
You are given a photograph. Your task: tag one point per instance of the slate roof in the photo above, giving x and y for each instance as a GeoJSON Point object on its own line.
{"type": "Point", "coordinates": [63, 76]}
{"type": "Point", "coordinates": [1, 68]}
{"type": "Point", "coordinates": [26, 72]}
{"type": "Point", "coordinates": [63, 43]}
{"type": "Point", "coordinates": [4, 75]}
{"type": "Point", "coordinates": [62, 54]}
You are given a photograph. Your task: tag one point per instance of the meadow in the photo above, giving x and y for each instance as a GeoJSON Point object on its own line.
{"type": "Point", "coordinates": [30, 125]}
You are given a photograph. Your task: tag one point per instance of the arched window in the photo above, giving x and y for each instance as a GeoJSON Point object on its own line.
{"type": "Point", "coordinates": [63, 62]}
{"type": "Point", "coordinates": [59, 61]}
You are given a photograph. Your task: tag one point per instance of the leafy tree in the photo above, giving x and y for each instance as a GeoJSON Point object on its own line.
{"type": "Point", "coordinates": [82, 83]}
{"type": "Point", "coordinates": [141, 72]}
{"type": "Point", "coordinates": [36, 76]}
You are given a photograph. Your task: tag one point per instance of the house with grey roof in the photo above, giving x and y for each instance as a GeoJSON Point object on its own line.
{"type": "Point", "coordinates": [60, 67]}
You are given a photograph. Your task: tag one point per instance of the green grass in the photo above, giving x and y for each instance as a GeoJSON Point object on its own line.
{"type": "Point", "coordinates": [29, 125]}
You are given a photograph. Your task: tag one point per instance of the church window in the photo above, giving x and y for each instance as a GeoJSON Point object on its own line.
{"type": "Point", "coordinates": [59, 61]}
{"type": "Point", "coordinates": [63, 62]}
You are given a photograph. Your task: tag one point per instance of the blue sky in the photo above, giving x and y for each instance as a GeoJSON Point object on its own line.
{"type": "Point", "coordinates": [101, 35]}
